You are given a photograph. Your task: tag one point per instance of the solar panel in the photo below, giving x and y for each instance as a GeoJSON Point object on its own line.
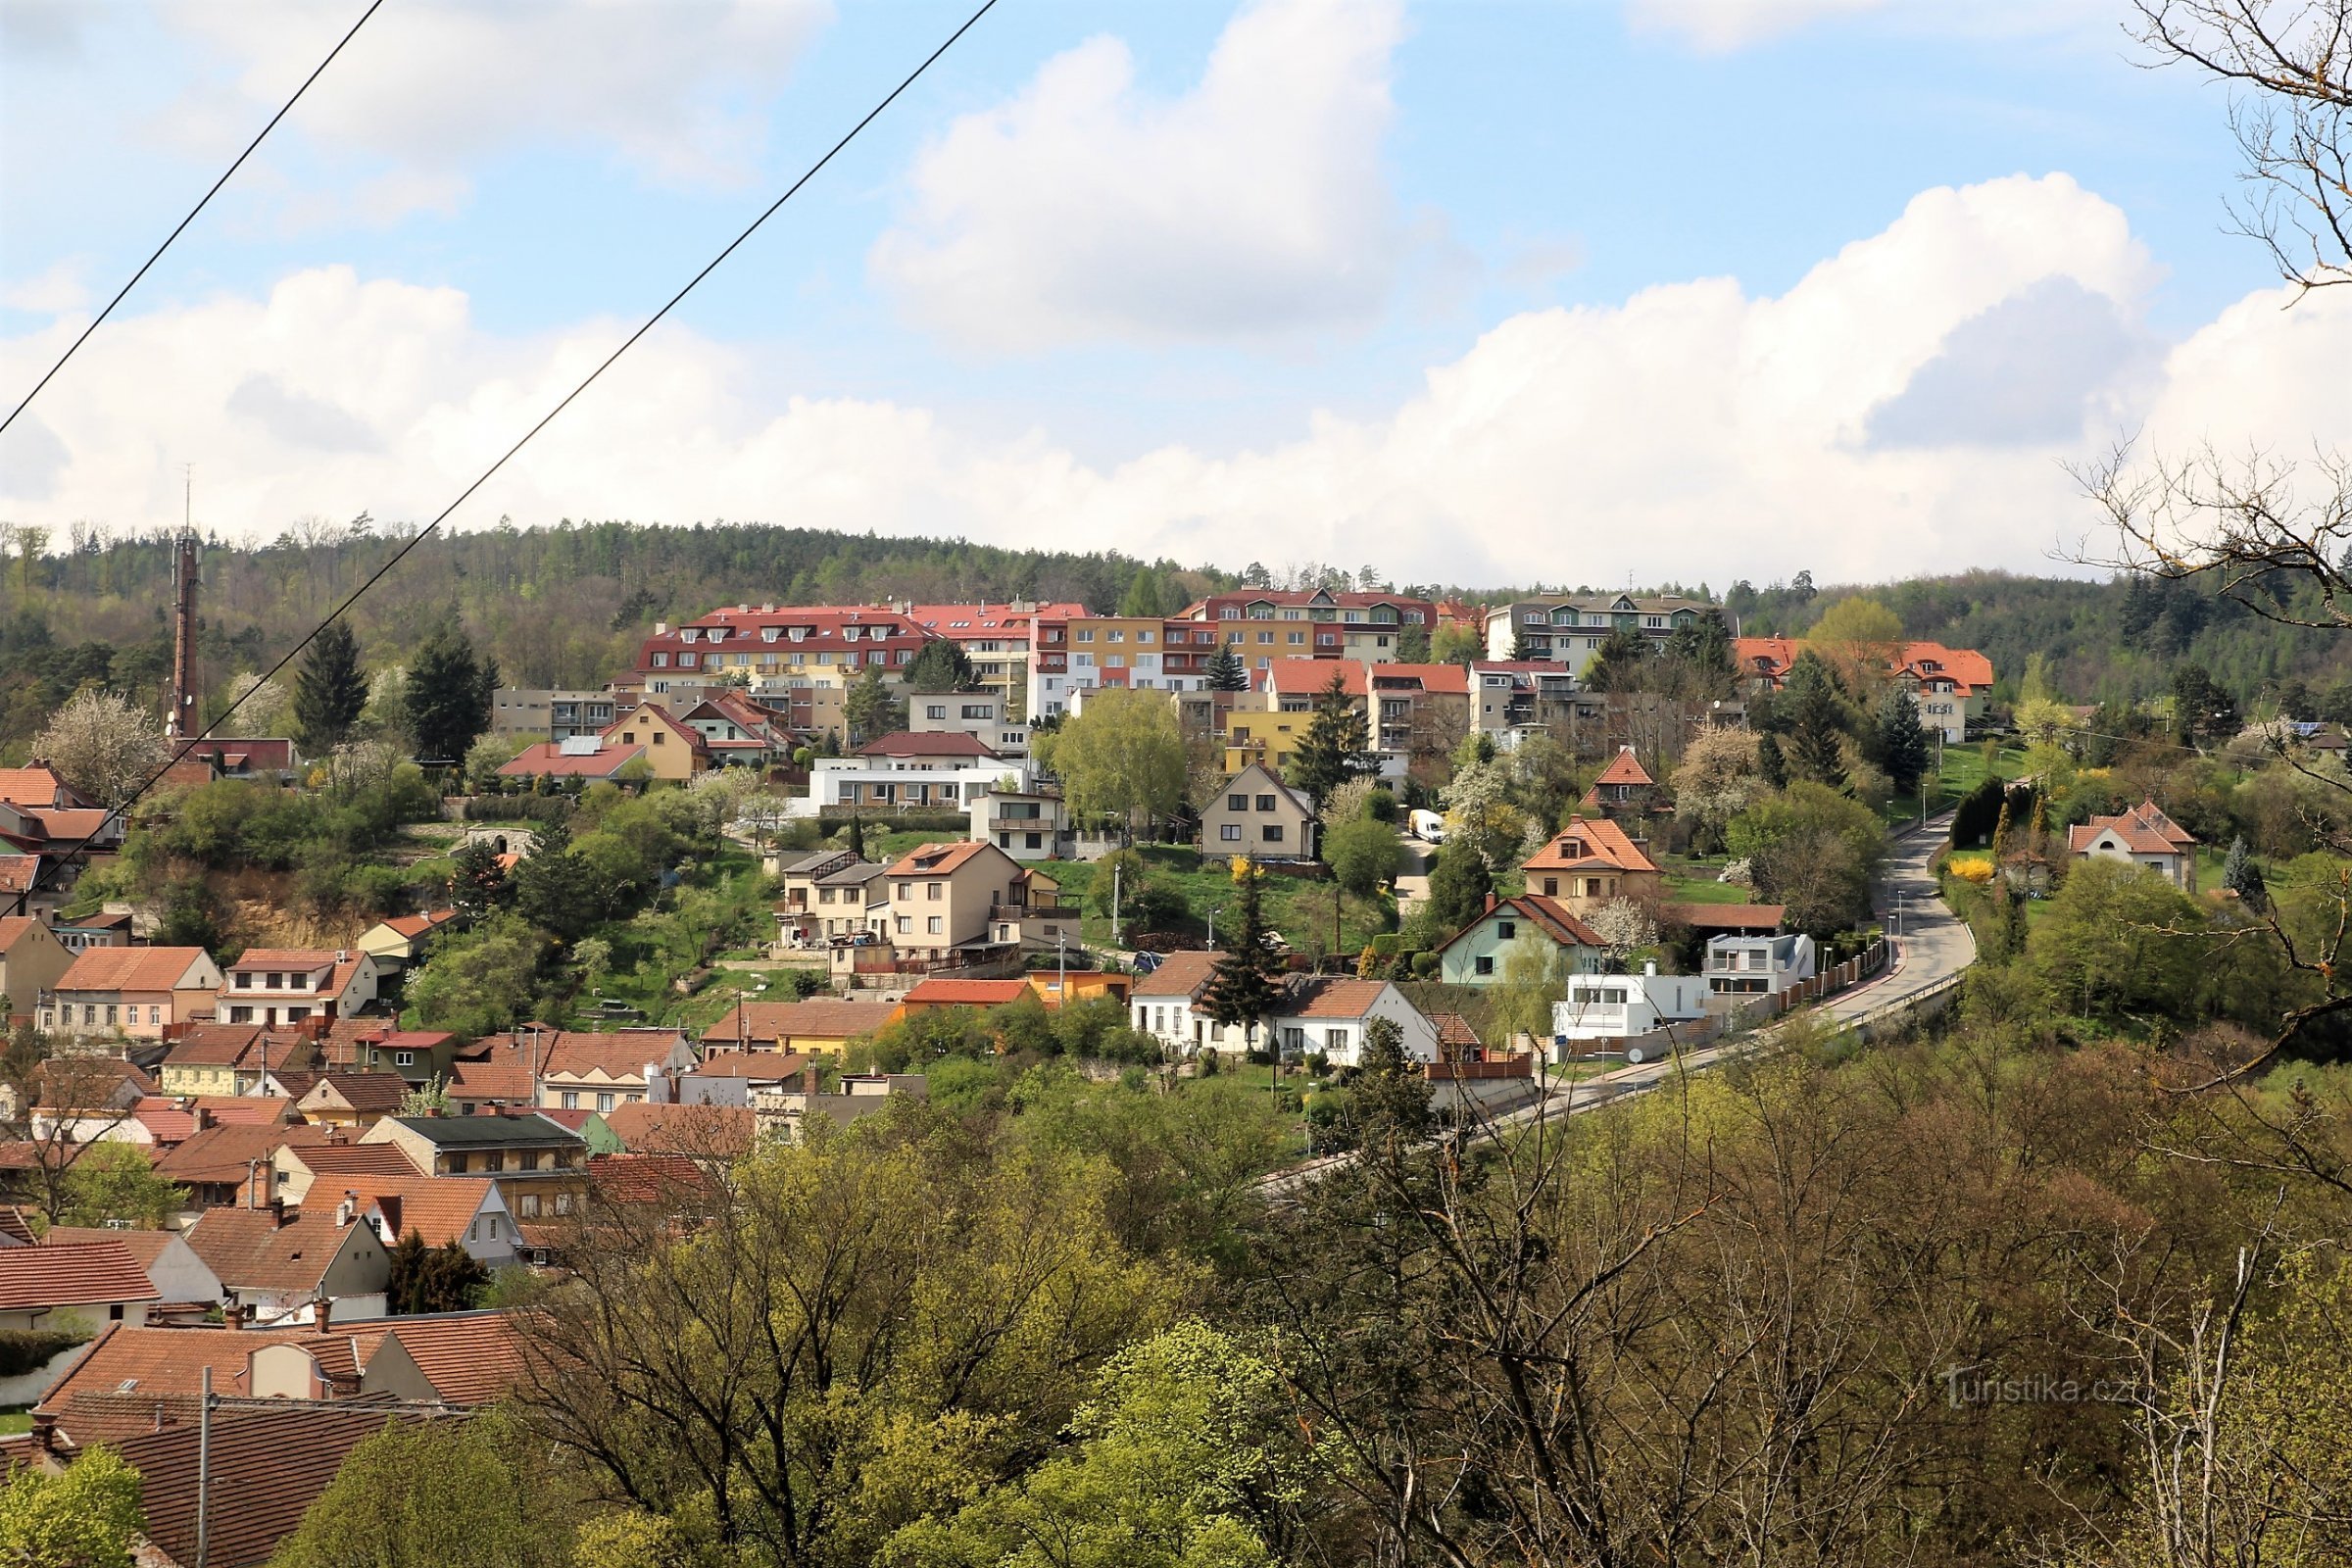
{"type": "Point", "coordinates": [581, 745]}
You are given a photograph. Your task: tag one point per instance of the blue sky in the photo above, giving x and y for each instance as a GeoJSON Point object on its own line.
{"type": "Point", "coordinates": [1549, 292]}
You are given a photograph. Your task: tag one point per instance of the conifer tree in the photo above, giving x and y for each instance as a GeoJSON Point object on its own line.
{"type": "Point", "coordinates": [1334, 749]}
{"type": "Point", "coordinates": [448, 694]}
{"type": "Point", "coordinates": [330, 689]}
{"type": "Point", "coordinates": [1242, 987]}
{"type": "Point", "coordinates": [1225, 671]}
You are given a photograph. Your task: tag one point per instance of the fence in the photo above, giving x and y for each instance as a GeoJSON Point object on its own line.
{"type": "Point", "coordinates": [1522, 1066]}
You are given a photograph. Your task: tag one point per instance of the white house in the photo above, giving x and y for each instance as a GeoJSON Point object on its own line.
{"type": "Point", "coordinates": [2142, 836]}
{"type": "Point", "coordinates": [1326, 1017]}
{"type": "Point", "coordinates": [1759, 966]}
{"type": "Point", "coordinates": [983, 716]}
{"type": "Point", "coordinates": [1025, 823]}
{"type": "Point", "coordinates": [946, 770]}
{"type": "Point", "coordinates": [1618, 1006]}
{"type": "Point", "coordinates": [1162, 1003]}
{"type": "Point", "coordinates": [279, 986]}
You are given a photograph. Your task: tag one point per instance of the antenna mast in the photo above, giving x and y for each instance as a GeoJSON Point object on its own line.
{"type": "Point", "coordinates": [180, 722]}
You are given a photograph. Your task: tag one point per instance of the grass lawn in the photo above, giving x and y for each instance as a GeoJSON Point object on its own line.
{"type": "Point", "coordinates": [14, 1420]}
{"type": "Point", "coordinates": [1297, 907]}
{"type": "Point", "coordinates": [1704, 890]}
{"type": "Point", "coordinates": [1964, 769]}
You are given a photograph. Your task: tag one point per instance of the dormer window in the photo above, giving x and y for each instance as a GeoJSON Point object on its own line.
{"type": "Point", "coordinates": [767, 634]}
{"type": "Point", "coordinates": [690, 634]}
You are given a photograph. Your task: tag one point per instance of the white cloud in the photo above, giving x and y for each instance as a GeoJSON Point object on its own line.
{"type": "Point", "coordinates": [1692, 431]}
{"type": "Point", "coordinates": [433, 84]}
{"type": "Point", "coordinates": [52, 291]}
{"type": "Point", "coordinates": [1086, 207]}
{"type": "Point", "coordinates": [1721, 25]}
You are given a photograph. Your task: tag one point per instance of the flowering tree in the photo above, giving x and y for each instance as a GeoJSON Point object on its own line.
{"type": "Point", "coordinates": [1624, 928]}
{"type": "Point", "coordinates": [102, 746]}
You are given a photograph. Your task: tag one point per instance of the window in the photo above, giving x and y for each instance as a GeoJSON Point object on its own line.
{"type": "Point", "coordinates": [530, 1206]}
{"type": "Point", "coordinates": [274, 981]}
{"type": "Point", "coordinates": [110, 1014]}
{"type": "Point", "coordinates": [154, 1014]}
{"type": "Point", "coordinates": [603, 1102]}
{"type": "Point", "coordinates": [1265, 802]}
{"type": "Point", "coordinates": [979, 711]}
{"type": "Point", "coordinates": [936, 926]}
{"type": "Point", "coordinates": [496, 1160]}
{"type": "Point", "coordinates": [1265, 636]}
{"type": "Point", "coordinates": [563, 1202]}
{"type": "Point", "coordinates": [572, 1100]}
{"type": "Point", "coordinates": [1481, 965]}
{"type": "Point", "coordinates": [938, 711]}
{"type": "Point", "coordinates": [934, 891]}
{"type": "Point", "coordinates": [1036, 841]}
{"type": "Point", "coordinates": [244, 982]}
{"type": "Point", "coordinates": [1271, 833]}
{"type": "Point", "coordinates": [1230, 833]}
{"type": "Point", "coordinates": [400, 1058]}
{"type": "Point", "coordinates": [905, 924]}
{"type": "Point", "coordinates": [1334, 1040]}
{"type": "Point", "coordinates": [1296, 638]}
{"type": "Point", "coordinates": [1551, 887]}
{"type": "Point", "coordinates": [1238, 802]}
{"type": "Point", "coordinates": [1506, 929]}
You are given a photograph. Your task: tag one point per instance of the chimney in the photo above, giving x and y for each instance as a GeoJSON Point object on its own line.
{"type": "Point", "coordinates": [325, 1311]}
{"type": "Point", "coordinates": [44, 1432]}
{"type": "Point", "coordinates": [347, 1210]}
{"type": "Point", "coordinates": [661, 628]}
{"type": "Point", "coordinates": [1491, 903]}
{"type": "Point", "coordinates": [232, 1315]}
{"type": "Point", "coordinates": [808, 1075]}
{"type": "Point", "coordinates": [278, 1213]}
{"type": "Point", "coordinates": [253, 1193]}
{"type": "Point", "coordinates": [204, 1117]}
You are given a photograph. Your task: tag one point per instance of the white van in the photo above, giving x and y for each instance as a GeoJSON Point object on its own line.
{"type": "Point", "coordinates": [1429, 827]}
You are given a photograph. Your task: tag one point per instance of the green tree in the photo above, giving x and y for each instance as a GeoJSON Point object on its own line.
{"type": "Point", "coordinates": [870, 708]}
{"type": "Point", "coordinates": [1362, 853]}
{"type": "Point", "coordinates": [478, 982]}
{"type": "Point", "coordinates": [1532, 980]}
{"type": "Point", "coordinates": [1813, 850]}
{"type": "Point", "coordinates": [1456, 644]}
{"type": "Point", "coordinates": [433, 1279]}
{"type": "Point", "coordinates": [1334, 748]}
{"type": "Point", "coordinates": [2117, 943]}
{"type": "Point", "coordinates": [84, 1516]}
{"type": "Point", "coordinates": [941, 667]}
{"type": "Point", "coordinates": [1813, 714]}
{"type": "Point", "coordinates": [1388, 1100]}
{"type": "Point", "coordinates": [1459, 886]}
{"type": "Point", "coordinates": [1860, 639]}
{"type": "Point", "coordinates": [2202, 711]}
{"type": "Point", "coordinates": [447, 695]}
{"type": "Point", "coordinates": [1412, 646]}
{"type": "Point", "coordinates": [1901, 748]}
{"type": "Point", "coordinates": [1619, 663]}
{"type": "Point", "coordinates": [436, 1495]}
{"type": "Point", "coordinates": [1122, 759]}
{"type": "Point", "coordinates": [562, 893]}
{"type": "Point", "coordinates": [1225, 671]}
{"type": "Point", "coordinates": [477, 883]}
{"type": "Point", "coordinates": [114, 1183]}
{"type": "Point", "coordinates": [1150, 593]}
{"type": "Point", "coordinates": [1242, 987]}
{"type": "Point", "coordinates": [2241, 876]}
{"type": "Point", "coordinates": [330, 689]}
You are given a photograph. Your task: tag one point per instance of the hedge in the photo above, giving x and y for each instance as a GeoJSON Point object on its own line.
{"type": "Point", "coordinates": [23, 1351]}
{"type": "Point", "coordinates": [517, 808]}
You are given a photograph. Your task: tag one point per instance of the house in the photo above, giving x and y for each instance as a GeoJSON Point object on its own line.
{"type": "Point", "coordinates": [1325, 1016]}
{"type": "Point", "coordinates": [1407, 709]}
{"type": "Point", "coordinates": [1034, 916]}
{"type": "Point", "coordinates": [180, 1277]}
{"type": "Point", "coordinates": [400, 941]}
{"type": "Point", "coordinates": [910, 773]}
{"type": "Point", "coordinates": [820, 1026]}
{"type": "Point", "coordinates": [31, 961]}
{"type": "Point", "coordinates": [1257, 814]}
{"type": "Point", "coordinates": [109, 929]}
{"type": "Point", "coordinates": [738, 731]}
{"type": "Point", "coordinates": [88, 1283]}
{"type": "Point", "coordinates": [1621, 1006]}
{"type": "Point", "coordinates": [1054, 987]}
{"type": "Point", "coordinates": [252, 756]}
{"type": "Point", "coordinates": [933, 996]}
{"type": "Point", "coordinates": [944, 896]}
{"type": "Point", "coordinates": [1590, 863]}
{"type": "Point", "coordinates": [2142, 836]}
{"type": "Point", "coordinates": [1026, 823]}
{"type": "Point", "coordinates": [352, 1099]}
{"type": "Point", "coordinates": [543, 713]}
{"type": "Point", "coordinates": [582, 757]}
{"type": "Point", "coordinates": [1952, 685]}
{"type": "Point", "coordinates": [1261, 624]}
{"type": "Point", "coordinates": [1160, 1003]}
{"type": "Point", "coordinates": [41, 788]}
{"type": "Point", "coordinates": [337, 1162]}
{"type": "Point", "coordinates": [231, 1059]}
{"type": "Point", "coordinates": [227, 1162]}
{"type": "Point", "coordinates": [982, 716]}
{"type": "Point", "coordinates": [1569, 628]}
{"type": "Point", "coordinates": [672, 749]}
{"type": "Point", "coordinates": [134, 1380]}
{"type": "Point", "coordinates": [374, 1045]}
{"type": "Point", "coordinates": [1624, 787]}
{"type": "Point", "coordinates": [1725, 919]}
{"type": "Point", "coordinates": [539, 1165]}
{"type": "Point", "coordinates": [604, 1071]}
{"type": "Point", "coordinates": [34, 885]}
{"type": "Point", "coordinates": [80, 1097]}
{"type": "Point", "coordinates": [724, 1078]}
{"type": "Point", "coordinates": [829, 894]}
{"type": "Point", "coordinates": [706, 1130]}
{"type": "Point", "coordinates": [278, 987]}
{"type": "Point", "coordinates": [785, 1112]}
{"type": "Point", "coordinates": [469, 1211]}
{"type": "Point", "coordinates": [277, 1263]}
{"type": "Point", "coordinates": [139, 992]}
{"type": "Point", "coordinates": [1759, 966]}
{"type": "Point", "coordinates": [1477, 953]}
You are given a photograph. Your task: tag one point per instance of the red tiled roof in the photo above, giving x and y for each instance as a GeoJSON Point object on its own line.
{"type": "Point", "coordinates": [938, 743]}
{"type": "Point", "coordinates": [14, 926]}
{"type": "Point", "coordinates": [936, 859]}
{"type": "Point", "coordinates": [417, 925]}
{"type": "Point", "coordinates": [1547, 914]}
{"type": "Point", "coordinates": [333, 1162]}
{"type": "Point", "coordinates": [1589, 842]}
{"type": "Point", "coordinates": [818, 1017]}
{"type": "Point", "coordinates": [635, 1178]}
{"type": "Point", "coordinates": [967, 992]}
{"type": "Point", "coordinates": [1454, 1030]}
{"type": "Point", "coordinates": [215, 1044]}
{"type": "Point", "coordinates": [507, 1080]}
{"type": "Point", "coordinates": [39, 786]}
{"type": "Point", "coordinates": [1300, 676]}
{"type": "Point", "coordinates": [468, 1357]}
{"type": "Point", "coordinates": [87, 1274]}
{"type": "Point", "coordinates": [1725, 916]}
{"type": "Point", "coordinates": [131, 968]}
{"type": "Point", "coordinates": [361, 1091]}
{"type": "Point", "coordinates": [753, 1064]}
{"type": "Point", "coordinates": [547, 757]}
{"type": "Point", "coordinates": [1327, 998]}
{"type": "Point", "coordinates": [142, 1366]}
{"type": "Point", "coordinates": [222, 1156]}
{"type": "Point", "coordinates": [1624, 769]}
{"type": "Point", "coordinates": [251, 1250]}
{"type": "Point", "coordinates": [439, 1210]}
{"type": "Point", "coordinates": [618, 1055]}
{"type": "Point", "coordinates": [713, 1130]}
{"type": "Point", "coordinates": [245, 1110]}
{"type": "Point", "coordinates": [145, 1246]}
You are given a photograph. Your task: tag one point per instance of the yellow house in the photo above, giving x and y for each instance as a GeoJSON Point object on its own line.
{"type": "Point", "coordinates": [231, 1058]}
{"type": "Point", "coordinates": [32, 961]}
{"type": "Point", "coordinates": [820, 1026]}
{"type": "Point", "coordinates": [672, 749]}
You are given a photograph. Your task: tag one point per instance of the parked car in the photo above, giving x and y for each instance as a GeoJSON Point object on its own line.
{"type": "Point", "coordinates": [1428, 826]}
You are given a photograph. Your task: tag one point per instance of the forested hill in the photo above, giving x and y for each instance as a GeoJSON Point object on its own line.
{"type": "Point", "coordinates": [2112, 640]}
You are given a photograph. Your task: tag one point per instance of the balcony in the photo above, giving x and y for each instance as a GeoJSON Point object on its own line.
{"type": "Point", "coordinates": [1057, 909]}
{"type": "Point", "coordinates": [1022, 824]}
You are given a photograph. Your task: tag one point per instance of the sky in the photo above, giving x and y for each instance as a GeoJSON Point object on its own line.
{"type": "Point", "coordinates": [1577, 292]}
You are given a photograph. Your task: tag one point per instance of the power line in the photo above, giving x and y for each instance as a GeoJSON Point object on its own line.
{"type": "Point", "coordinates": [23, 900]}
{"type": "Point", "coordinates": [373, 6]}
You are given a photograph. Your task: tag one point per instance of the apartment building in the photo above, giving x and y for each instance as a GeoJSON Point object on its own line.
{"type": "Point", "coordinates": [1568, 629]}
{"type": "Point", "coordinates": [983, 716]}
{"type": "Point", "coordinates": [540, 714]}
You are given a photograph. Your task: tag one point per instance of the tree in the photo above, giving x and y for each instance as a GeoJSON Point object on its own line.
{"type": "Point", "coordinates": [1122, 759]}
{"type": "Point", "coordinates": [1860, 639]}
{"type": "Point", "coordinates": [1901, 748]}
{"type": "Point", "coordinates": [1624, 927]}
{"type": "Point", "coordinates": [1150, 593]}
{"type": "Point", "coordinates": [2241, 876]}
{"type": "Point", "coordinates": [477, 883]}
{"type": "Point", "coordinates": [2117, 943]}
{"type": "Point", "coordinates": [1225, 671]}
{"type": "Point", "coordinates": [1459, 886]}
{"type": "Point", "coordinates": [1812, 712]}
{"type": "Point", "coordinates": [1479, 814]}
{"type": "Point", "coordinates": [478, 982]}
{"type": "Point", "coordinates": [102, 746]}
{"type": "Point", "coordinates": [1412, 646]}
{"type": "Point", "coordinates": [429, 1098]}
{"type": "Point", "coordinates": [84, 1516]}
{"type": "Point", "coordinates": [1243, 989]}
{"type": "Point", "coordinates": [427, 1493]}
{"type": "Point", "coordinates": [1361, 855]}
{"type": "Point", "coordinates": [1334, 748]}
{"type": "Point", "coordinates": [447, 693]}
{"type": "Point", "coordinates": [562, 893]}
{"type": "Point", "coordinates": [941, 667]}
{"type": "Point", "coordinates": [1813, 850]}
{"type": "Point", "coordinates": [114, 1183]}
{"type": "Point", "coordinates": [1619, 663]}
{"type": "Point", "coordinates": [433, 1279]}
{"type": "Point", "coordinates": [1389, 1098]}
{"type": "Point", "coordinates": [2202, 712]}
{"type": "Point", "coordinates": [870, 711]}
{"type": "Point", "coordinates": [1533, 979]}
{"type": "Point", "coordinates": [1719, 777]}
{"type": "Point", "coordinates": [1456, 643]}
{"type": "Point", "coordinates": [257, 704]}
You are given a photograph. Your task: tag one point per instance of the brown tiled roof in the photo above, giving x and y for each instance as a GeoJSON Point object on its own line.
{"type": "Point", "coordinates": [129, 969]}
{"type": "Point", "coordinates": [819, 1017]}
{"type": "Point", "coordinates": [364, 1091]}
{"type": "Point", "coordinates": [548, 757]}
{"type": "Point", "coordinates": [2144, 830]}
{"type": "Point", "coordinates": [15, 1227]}
{"type": "Point", "coordinates": [268, 1467]}
{"type": "Point", "coordinates": [935, 743]}
{"type": "Point", "coordinates": [214, 1045]}
{"type": "Point", "coordinates": [646, 1178]}
{"type": "Point", "coordinates": [1547, 914]}
{"type": "Point", "coordinates": [17, 872]}
{"type": "Point", "coordinates": [145, 1246]}
{"type": "Point", "coordinates": [220, 1155]}
{"type": "Point", "coordinates": [1327, 998]}
{"type": "Point", "coordinates": [1454, 1030]}
{"type": "Point", "coordinates": [1590, 843]}
{"type": "Point", "coordinates": [251, 1250]}
{"type": "Point", "coordinates": [85, 1076]}
{"type": "Point", "coordinates": [417, 925]}
{"type": "Point", "coordinates": [1624, 768]}
{"type": "Point", "coordinates": [1180, 974]}
{"type": "Point", "coordinates": [468, 1357]}
{"type": "Point", "coordinates": [76, 1274]}
{"type": "Point", "coordinates": [753, 1064]}
{"type": "Point", "coordinates": [1726, 917]}
{"type": "Point", "coordinates": [119, 1381]}
{"type": "Point", "coordinates": [615, 1055]}
{"type": "Point", "coordinates": [936, 859]}
{"type": "Point", "coordinates": [715, 1130]}
{"type": "Point", "coordinates": [39, 786]}
{"type": "Point", "coordinates": [245, 1110]}
{"type": "Point", "coordinates": [490, 1080]}
{"type": "Point", "coordinates": [383, 1162]}
{"type": "Point", "coordinates": [14, 926]}
{"type": "Point", "coordinates": [967, 992]}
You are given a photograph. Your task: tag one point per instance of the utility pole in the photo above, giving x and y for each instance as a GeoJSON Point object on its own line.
{"type": "Point", "coordinates": [1115, 868]}
{"type": "Point", "coordinates": [180, 722]}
